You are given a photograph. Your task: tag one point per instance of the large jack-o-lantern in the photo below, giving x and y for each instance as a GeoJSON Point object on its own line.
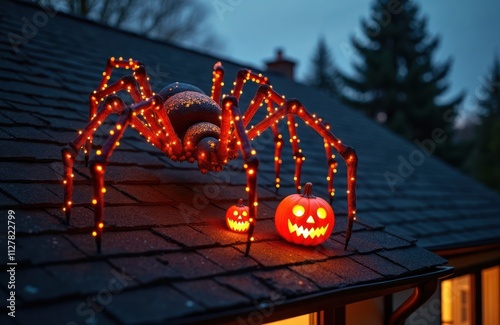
{"type": "Point", "coordinates": [304, 219]}
{"type": "Point", "coordinates": [237, 217]}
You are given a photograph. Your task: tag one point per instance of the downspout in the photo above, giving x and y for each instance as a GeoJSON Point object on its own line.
{"type": "Point", "coordinates": [420, 295]}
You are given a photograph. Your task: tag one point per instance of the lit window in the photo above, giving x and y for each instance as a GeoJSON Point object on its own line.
{"type": "Point", "coordinates": [456, 298]}
{"type": "Point", "coordinates": [491, 295]}
{"type": "Point", "coordinates": [307, 319]}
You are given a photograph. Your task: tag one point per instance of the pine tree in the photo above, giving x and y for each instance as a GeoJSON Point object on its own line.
{"type": "Point", "coordinates": [396, 80]}
{"type": "Point", "coordinates": [487, 156]}
{"type": "Point", "coordinates": [322, 74]}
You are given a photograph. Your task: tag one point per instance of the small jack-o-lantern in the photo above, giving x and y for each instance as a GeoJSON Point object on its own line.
{"type": "Point", "coordinates": [304, 219]}
{"type": "Point", "coordinates": [237, 217]}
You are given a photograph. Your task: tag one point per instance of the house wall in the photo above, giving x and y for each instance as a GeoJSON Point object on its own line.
{"type": "Point", "coordinates": [372, 311]}
{"type": "Point", "coordinates": [369, 311]}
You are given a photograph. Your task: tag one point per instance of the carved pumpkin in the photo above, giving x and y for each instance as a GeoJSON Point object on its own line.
{"type": "Point", "coordinates": [304, 219]}
{"type": "Point", "coordinates": [237, 217]}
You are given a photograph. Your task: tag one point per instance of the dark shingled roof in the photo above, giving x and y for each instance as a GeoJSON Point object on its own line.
{"type": "Point", "coordinates": [164, 220]}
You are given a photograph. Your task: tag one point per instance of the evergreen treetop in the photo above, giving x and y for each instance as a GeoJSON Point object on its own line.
{"type": "Point", "coordinates": [487, 149]}
{"type": "Point", "coordinates": [396, 80]}
{"type": "Point", "coordinates": [323, 72]}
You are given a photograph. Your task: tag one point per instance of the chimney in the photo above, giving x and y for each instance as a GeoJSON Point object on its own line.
{"type": "Point", "coordinates": [281, 65]}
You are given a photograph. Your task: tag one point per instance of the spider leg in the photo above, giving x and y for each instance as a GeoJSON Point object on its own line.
{"type": "Point", "coordinates": [217, 82]}
{"type": "Point", "coordinates": [294, 107]}
{"type": "Point", "coordinates": [112, 104]}
{"type": "Point", "coordinates": [251, 162]}
{"type": "Point", "coordinates": [142, 92]}
{"type": "Point", "coordinates": [242, 77]}
{"type": "Point", "coordinates": [114, 63]}
{"type": "Point", "coordinates": [137, 85]}
{"type": "Point", "coordinates": [266, 94]}
{"type": "Point", "coordinates": [278, 147]}
{"type": "Point", "coordinates": [298, 156]}
{"type": "Point", "coordinates": [130, 84]}
{"type": "Point", "coordinates": [99, 164]}
{"type": "Point", "coordinates": [332, 166]}
{"type": "Point", "coordinates": [227, 141]}
{"type": "Point", "coordinates": [69, 153]}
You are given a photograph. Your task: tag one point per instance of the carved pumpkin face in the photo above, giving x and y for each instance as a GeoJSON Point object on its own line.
{"type": "Point", "coordinates": [304, 219]}
{"type": "Point", "coordinates": [237, 217]}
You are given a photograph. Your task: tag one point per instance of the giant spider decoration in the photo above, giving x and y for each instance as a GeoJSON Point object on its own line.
{"type": "Point", "coordinates": [188, 125]}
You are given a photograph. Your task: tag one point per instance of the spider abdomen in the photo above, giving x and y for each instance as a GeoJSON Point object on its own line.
{"type": "Point", "coordinates": [187, 106]}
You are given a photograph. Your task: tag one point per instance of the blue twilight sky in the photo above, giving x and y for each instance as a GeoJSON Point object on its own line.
{"type": "Point", "coordinates": [251, 30]}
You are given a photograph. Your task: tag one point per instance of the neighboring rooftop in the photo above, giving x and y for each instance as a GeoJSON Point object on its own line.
{"type": "Point", "coordinates": [165, 220]}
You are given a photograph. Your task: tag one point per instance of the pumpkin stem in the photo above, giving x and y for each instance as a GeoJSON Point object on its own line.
{"type": "Point", "coordinates": [240, 202]}
{"type": "Point", "coordinates": [308, 191]}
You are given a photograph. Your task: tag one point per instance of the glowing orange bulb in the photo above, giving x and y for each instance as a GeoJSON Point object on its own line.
{"type": "Point", "coordinates": [94, 233]}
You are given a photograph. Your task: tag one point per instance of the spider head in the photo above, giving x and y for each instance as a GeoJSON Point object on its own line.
{"type": "Point", "coordinates": [206, 155]}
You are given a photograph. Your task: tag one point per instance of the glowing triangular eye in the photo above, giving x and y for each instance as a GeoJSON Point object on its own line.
{"type": "Point", "coordinates": [235, 213]}
{"type": "Point", "coordinates": [244, 213]}
{"type": "Point", "coordinates": [298, 210]}
{"type": "Point", "coordinates": [321, 213]}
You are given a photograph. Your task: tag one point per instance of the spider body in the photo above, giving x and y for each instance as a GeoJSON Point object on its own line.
{"type": "Point", "coordinates": [196, 119]}
{"type": "Point", "coordinates": [188, 125]}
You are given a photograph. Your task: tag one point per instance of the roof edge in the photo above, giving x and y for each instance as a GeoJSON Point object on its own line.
{"type": "Point", "coordinates": [326, 299]}
{"type": "Point", "coordinates": [453, 250]}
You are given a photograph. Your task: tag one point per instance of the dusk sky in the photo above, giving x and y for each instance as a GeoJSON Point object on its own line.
{"type": "Point", "coordinates": [252, 30]}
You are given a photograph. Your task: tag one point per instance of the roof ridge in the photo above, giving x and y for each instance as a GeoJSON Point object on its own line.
{"type": "Point", "coordinates": [173, 44]}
